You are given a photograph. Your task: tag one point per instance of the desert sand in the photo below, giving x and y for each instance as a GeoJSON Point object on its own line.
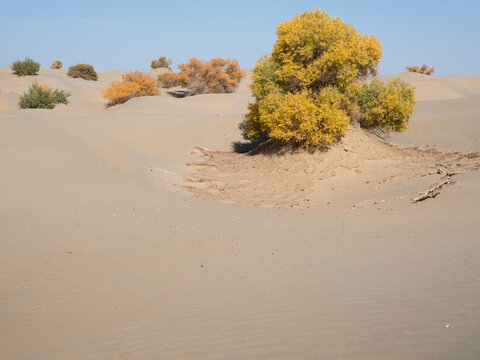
{"type": "Point", "coordinates": [120, 240]}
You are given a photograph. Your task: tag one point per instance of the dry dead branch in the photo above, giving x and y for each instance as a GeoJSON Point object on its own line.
{"type": "Point", "coordinates": [434, 191]}
{"type": "Point", "coordinates": [204, 151]}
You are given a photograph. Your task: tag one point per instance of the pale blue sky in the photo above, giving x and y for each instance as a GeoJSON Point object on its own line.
{"type": "Point", "coordinates": [126, 35]}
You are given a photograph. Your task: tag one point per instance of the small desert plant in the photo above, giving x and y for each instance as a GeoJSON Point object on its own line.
{"type": "Point", "coordinates": [25, 67]}
{"type": "Point", "coordinates": [208, 77]}
{"type": "Point", "coordinates": [40, 96]}
{"type": "Point", "coordinates": [387, 106]}
{"type": "Point", "coordinates": [422, 70]}
{"type": "Point", "coordinates": [162, 62]}
{"type": "Point", "coordinates": [56, 65]}
{"type": "Point", "coordinates": [83, 71]}
{"type": "Point", "coordinates": [134, 84]}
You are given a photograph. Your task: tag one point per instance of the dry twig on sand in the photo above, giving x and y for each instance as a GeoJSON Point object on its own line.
{"type": "Point", "coordinates": [204, 151]}
{"type": "Point", "coordinates": [434, 191]}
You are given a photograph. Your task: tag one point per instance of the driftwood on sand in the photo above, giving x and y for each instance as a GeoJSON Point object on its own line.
{"type": "Point", "coordinates": [434, 191]}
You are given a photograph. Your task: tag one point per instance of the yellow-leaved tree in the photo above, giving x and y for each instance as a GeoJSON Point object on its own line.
{"type": "Point", "coordinates": [308, 89]}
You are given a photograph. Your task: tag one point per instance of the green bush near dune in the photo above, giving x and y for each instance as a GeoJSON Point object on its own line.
{"type": "Point", "coordinates": [25, 67]}
{"type": "Point", "coordinates": [83, 71]}
{"type": "Point", "coordinates": [387, 106]}
{"type": "Point", "coordinates": [39, 96]}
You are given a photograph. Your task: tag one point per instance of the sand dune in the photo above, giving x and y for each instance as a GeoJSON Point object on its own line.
{"type": "Point", "coordinates": [429, 88]}
{"type": "Point", "coordinates": [102, 257]}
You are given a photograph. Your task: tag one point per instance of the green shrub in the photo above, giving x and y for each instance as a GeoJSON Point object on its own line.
{"type": "Point", "coordinates": [40, 96]}
{"type": "Point", "coordinates": [83, 71]}
{"type": "Point", "coordinates": [388, 106]}
{"type": "Point", "coordinates": [307, 90]}
{"type": "Point", "coordinates": [25, 67]}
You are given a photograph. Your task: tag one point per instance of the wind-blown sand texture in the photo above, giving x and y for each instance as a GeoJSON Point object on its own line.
{"type": "Point", "coordinates": [104, 254]}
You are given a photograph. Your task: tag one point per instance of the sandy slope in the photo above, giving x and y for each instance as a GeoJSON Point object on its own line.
{"type": "Point", "coordinates": [100, 259]}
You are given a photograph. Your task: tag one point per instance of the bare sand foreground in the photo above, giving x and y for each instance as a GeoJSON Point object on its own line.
{"type": "Point", "coordinates": [104, 253]}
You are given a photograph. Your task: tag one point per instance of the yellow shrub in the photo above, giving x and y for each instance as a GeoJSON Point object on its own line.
{"type": "Point", "coordinates": [56, 65]}
{"type": "Point", "coordinates": [313, 51]}
{"type": "Point", "coordinates": [307, 90]}
{"type": "Point", "coordinates": [134, 84]}
{"type": "Point", "coordinates": [302, 118]}
{"type": "Point", "coordinates": [389, 106]}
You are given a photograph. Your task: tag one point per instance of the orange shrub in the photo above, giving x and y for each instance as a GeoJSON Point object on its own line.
{"type": "Point", "coordinates": [423, 70]}
{"type": "Point", "coordinates": [208, 77]}
{"type": "Point", "coordinates": [134, 84]}
{"type": "Point", "coordinates": [413, 69]}
{"type": "Point", "coordinates": [56, 65]}
{"type": "Point", "coordinates": [430, 71]}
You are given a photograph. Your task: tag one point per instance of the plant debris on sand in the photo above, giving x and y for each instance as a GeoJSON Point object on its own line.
{"type": "Point", "coordinates": [358, 171]}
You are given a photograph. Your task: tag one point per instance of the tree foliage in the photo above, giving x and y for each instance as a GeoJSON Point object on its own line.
{"type": "Point", "coordinates": [134, 84]}
{"type": "Point", "coordinates": [25, 67]}
{"type": "Point", "coordinates": [83, 71]}
{"type": "Point", "coordinates": [307, 90]}
{"type": "Point", "coordinates": [42, 96]}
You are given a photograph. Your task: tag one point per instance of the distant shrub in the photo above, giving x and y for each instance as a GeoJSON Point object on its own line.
{"type": "Point", "coordinates": [208, 77]}
{"type": "Point", "coordinates": [422, 70]}
{"type": "Point", "coordinates": [307, 89]}
{"type": "Point", "coordinates": [83, 71]}
{"type": "Point", "coordinates": [39, 96]}
{"type": "Point", "coordinates": [56, 65]}
{"type": "Point", "coordinates": [25, 67]}
{"type": "Point", "coordinates": [162, 62]}
{"type": "Point", "coordinates": [415, 69]}
{"type": "Point", "coordinates": [134, 84]}
{"type": "Point", "coordinates": [166, 80]}
{"type": "Point", "coordinates": [430, 71]}
{"type": "Point", "coordinates": [388, 106]}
